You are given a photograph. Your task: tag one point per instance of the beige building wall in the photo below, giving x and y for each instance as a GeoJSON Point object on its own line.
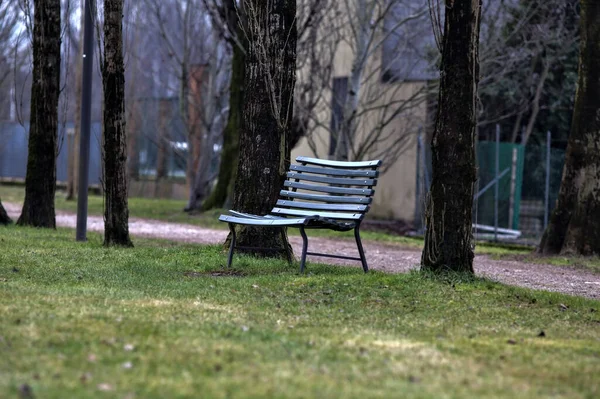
{"type": "Point", "coordinates": [395, 195]}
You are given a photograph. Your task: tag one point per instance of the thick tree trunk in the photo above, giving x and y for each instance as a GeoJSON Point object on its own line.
{"type": "Point", "coordinates": [267, 116]}
{"type": "Point", "coordinates": [4, 219]}
{"type": "Point", "coordinates": [40, 180]}
{"type": "Point", "coordinates": [575, 223]}
{"type": "Point", "coordinates": [116, 212]}
{"type": "Point", "coordinates": [231, 137]}
{"type": "Point", "coordinates": [449, 205]}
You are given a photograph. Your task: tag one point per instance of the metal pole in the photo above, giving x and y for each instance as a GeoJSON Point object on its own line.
{"type": "Point", "coordinates": [86, 110]}
{"type": "Point", "coordinates": [497, 181]}
{"type": "Point", "coordinates": [547, 199]}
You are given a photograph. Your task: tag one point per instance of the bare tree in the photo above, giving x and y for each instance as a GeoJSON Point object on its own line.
{"type": "Point", "coordinates": [73, 157]}
{"type": "Point", "coordinates": [229, 20]}
{"type": "Point", "coordinates": [196, 66]}
{"type": "Point", "coordinates": [522, 45]}
{"type": "Point", "coordinates": [374, 113]}
{"type": "Point", "coordinates": [116, 211]}
{"type": "Point", "coordinates": [268, 108]}
{"type": "Point", "coordinates": [574, 226]}
{"type": "Point", "coordinates": [450, 200]}
{"type": "Point", "coordinates": [40, 181]}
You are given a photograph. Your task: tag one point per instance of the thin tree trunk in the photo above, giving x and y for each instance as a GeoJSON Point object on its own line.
{"type": "Point", "coordinates": [449, 206]}
{"type": "Point", "coordinates": [162, 153]}
{"type": "Point", "coordinates": [134, 124]}
{"type": "Point", "coordinates": [574, 226]}
{"type": "Point", "coordinates": [201, 149]}
{"type": "Point", "coordinates": [267, 117]}
{"type": "Point", "coordinates": [73, 162]}
{"type": "Point", "coordinates": [4, 218]}
{"type": "Point", "coordinates": [535, 107]}
{"type": "Point", "coordinates": [116, 212]}
{"type": "Point", "coordinates": [231, 136]}
{"type": "Point", "coordinates": [40, 180]}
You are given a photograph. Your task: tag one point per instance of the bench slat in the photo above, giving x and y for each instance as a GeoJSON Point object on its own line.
{"type": "Point", "coordinates": [265, 221]}
{"type": "Point", "coordinates": [332, 180]}
{"type": "Point", "coordinates": [326, 198]}
{"type": "Point", "coordinates": [334, 172]}
{"type": "Point", "coordinates": [331, 215]}
{"type": "Point", "coordinates": [339, 164]}
{"type": "Point", "coordinates": [323, 207]}
{"type": "Point", "coordinates": [329, 189]}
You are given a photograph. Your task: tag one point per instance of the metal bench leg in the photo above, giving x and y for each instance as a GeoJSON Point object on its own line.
{"type": "Point", "coordinates": [288, 253]}
{"type": "Point", "coordinates": [232, 245]}
{"type": "Point", "coordinates": [360, 248]}
{"type": "Point", "coordinates": [304, 248]}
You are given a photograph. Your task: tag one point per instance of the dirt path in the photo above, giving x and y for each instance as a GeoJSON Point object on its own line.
{"type": "Point", "coordinates": [387, 258]}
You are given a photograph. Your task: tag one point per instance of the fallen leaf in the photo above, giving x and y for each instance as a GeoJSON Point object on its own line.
{"type": "Point", "coordinates": [104, 387]}
{"type": "Point", "coordinates": [255, 286]}
{"type": "Point", "coordinates": [511, 342]}
{"type": "Point", "coordinates": [91, 358]}
{"type": "Point", "coordinates": [563, 306]}
{"type": "Point", "coordinates": [127, 365]}
{"type": "Point", "coordinates": [245, 328]}
{"type": "Point", "coordinates": [128, 347]}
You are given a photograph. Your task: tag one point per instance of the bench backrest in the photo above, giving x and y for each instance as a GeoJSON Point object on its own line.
{"type": "Point", "coordinates": [331, 189]}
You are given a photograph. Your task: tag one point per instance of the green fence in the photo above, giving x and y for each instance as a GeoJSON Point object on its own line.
{"type": "Point", "coordinates": [510, 166]}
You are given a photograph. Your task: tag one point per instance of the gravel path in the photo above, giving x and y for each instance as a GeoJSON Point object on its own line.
{"type": "Point", "coordinates": [384, 257]}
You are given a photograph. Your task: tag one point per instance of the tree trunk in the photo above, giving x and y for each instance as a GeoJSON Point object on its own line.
{"type": "Point", "coordinates": [4, 218]}
{"type": "Point", "coordinates": [116, 212]}
{"type": "Point", "coordinates": [449, 205]}
{"type": "Point", "coordinates": [267, 117]}
{"type": "Point", "coordinates": [40, 180]}
{"type": "Point", "coordinates": [73, 161]}
{"type": "Point", "coordinates": [574, 226]}
{"type": "Point", "coordinates": [162, 139]}
{"type": "Point", "coordinates": [231, 139]}
{"type": "Point", "coordinates": [199, 136]}
{"type": "Point", "coordinates": [134, 123]}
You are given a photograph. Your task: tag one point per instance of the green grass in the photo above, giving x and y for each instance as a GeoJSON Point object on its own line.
{"type": "Point", "coordinates": [169, 210]}
{"type": "Point", "coordinates": [78, 318]}
{"type": "Point", "coordinates": [591, 264]}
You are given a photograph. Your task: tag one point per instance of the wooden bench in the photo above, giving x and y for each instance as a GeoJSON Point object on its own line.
{"type": "Point", "coordinates": [318, 194]}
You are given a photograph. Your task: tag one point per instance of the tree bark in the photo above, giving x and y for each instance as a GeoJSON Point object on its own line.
{"type": "Point", "coordinates": [231, 137]}
{"type": "Point", "coordinates": [116, 212]}
{"type": "Point", "coordinates": [449, 205]}
{"type": "Point", "coordinates": [40, 181]}
{"type": "Point", "coordinates": [574, 225]}
{"type": "Point", "coordinates": [4, 218]}
{"type": "Point", "coordinates": [267, 117]}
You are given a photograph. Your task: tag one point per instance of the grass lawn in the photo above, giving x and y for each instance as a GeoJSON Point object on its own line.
{"type": "Point", "coordinates": [590, 263]}
{"type": "Point", "coordinates": [169, 210]}
{"type": "Point", "coordinates": [161, 320]}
